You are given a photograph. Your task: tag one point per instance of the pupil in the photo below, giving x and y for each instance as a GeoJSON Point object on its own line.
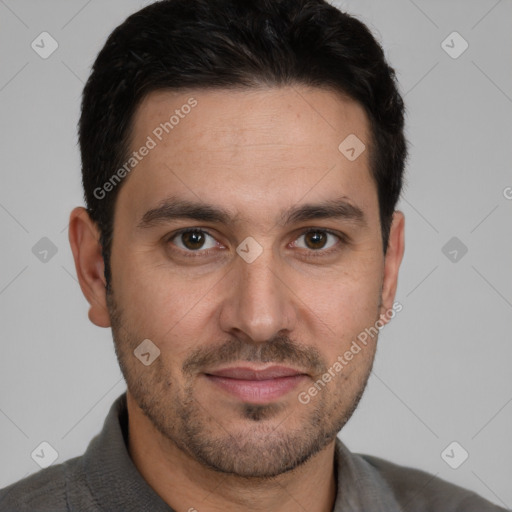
{"type": "Point", "coordinates": [317, 240]}
{"type": "Point", "coordinates": [193, 239]}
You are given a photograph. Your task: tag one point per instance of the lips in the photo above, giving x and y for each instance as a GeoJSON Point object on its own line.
{"type": "Point", "coordinates": [256, 385]}
{"type": "Point", "coordinates": [243, 373]}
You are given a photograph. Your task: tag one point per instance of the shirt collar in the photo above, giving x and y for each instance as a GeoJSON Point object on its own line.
{"type": "Point", "coordinates": [360, 485]}
{"type": "Point", "coordinates": [110, 472]}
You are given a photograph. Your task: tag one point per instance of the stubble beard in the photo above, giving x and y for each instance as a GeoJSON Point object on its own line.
{"type": "Point", "coordinates": [266, 440]}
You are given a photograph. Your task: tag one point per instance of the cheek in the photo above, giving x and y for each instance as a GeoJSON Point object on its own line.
{"type": "Point", "coordinates": [164, 305]}
{"type": "Point", "coordinates": [344, 300]}
{"type": "Point", "coordinates": [342, 312]}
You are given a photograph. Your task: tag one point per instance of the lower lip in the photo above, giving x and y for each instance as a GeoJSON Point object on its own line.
{"type": "Point", "coordinates": [258, 391]}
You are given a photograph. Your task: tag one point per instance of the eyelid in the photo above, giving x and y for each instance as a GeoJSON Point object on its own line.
{"type": "Point", "coordinates": [188, 253]}
{"type": "Point", "coordinates": [342, 240]}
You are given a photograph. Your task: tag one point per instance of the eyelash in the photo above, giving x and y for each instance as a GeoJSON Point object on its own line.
{"type": "Point", "coordinates": [343, 240]}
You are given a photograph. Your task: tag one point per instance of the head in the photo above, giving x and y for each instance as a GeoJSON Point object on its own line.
{"type": "Point", "coordinates": [241, 161]}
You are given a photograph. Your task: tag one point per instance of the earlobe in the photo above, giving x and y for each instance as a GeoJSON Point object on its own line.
{"type": "Point", "coordinates": [392, 261]}
{"type": "Point", "coordinates": [84, 241]}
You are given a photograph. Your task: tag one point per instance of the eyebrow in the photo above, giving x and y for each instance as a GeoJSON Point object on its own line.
{"type": "Point", "coordinates": [336, 209]}
{"type": "Point", "coordinates": [174, 208]}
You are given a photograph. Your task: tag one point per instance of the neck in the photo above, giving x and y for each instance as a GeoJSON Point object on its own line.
{"type": "Point", "coordinates": [185, 484]}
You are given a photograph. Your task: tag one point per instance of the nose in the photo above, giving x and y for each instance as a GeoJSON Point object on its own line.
{"type": "Point", "coordinates": [260, 303]}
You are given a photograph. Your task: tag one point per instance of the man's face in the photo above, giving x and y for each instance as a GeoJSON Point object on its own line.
{"type": "Point", "coordinates": [242, 335]}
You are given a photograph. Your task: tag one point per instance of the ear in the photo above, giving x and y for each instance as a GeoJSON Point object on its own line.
{"type": "Point", "coordinates": [84, 239]}
{"type": "Point", "coordinates": [392, 260]}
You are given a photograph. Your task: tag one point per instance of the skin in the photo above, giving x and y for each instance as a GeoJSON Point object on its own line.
{"type": "Point", "coordinates": [256, 153]}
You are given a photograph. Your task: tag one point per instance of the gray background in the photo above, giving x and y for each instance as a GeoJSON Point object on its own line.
{"type": "Point", "coordinates": [442, 372]}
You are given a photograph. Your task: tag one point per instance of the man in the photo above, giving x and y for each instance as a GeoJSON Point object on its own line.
{"type": "Point", "coordinates": [242, 161]}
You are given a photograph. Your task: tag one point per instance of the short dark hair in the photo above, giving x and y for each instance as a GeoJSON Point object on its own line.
{"type": "Point", "coordinates": [199, 44]}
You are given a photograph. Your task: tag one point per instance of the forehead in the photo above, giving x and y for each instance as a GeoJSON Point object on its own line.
{"type": "Point", "coordinates": [253, 115]}
{"type": "Point", "coordinates": [258, 147]}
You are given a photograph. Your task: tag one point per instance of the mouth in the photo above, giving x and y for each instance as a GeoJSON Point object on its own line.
{"type": "Point", "coordinates": [256, 385]}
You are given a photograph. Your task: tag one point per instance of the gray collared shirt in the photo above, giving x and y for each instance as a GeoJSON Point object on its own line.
{"type": "Point", "coordinates": [105, 479]}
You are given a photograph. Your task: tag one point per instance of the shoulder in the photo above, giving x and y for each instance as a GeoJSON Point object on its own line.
{"type": "Point", "coordinates": [422, 492]}
{"type": "Point", "coordinates": [47, 490]}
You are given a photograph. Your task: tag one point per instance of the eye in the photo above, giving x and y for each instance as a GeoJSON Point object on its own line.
{"type": "Point", "coordinates": [317, 239]}
{"type": "Point", "coordinates": [193, 240]}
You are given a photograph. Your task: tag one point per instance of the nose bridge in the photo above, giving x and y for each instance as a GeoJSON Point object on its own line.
{"type": "Point", "coordinates": [259, 304]}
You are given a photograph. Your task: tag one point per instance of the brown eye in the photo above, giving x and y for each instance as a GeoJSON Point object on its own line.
{"type": "Point", "coordinates": [316, 240]}
{"type": "Point", "coordinates": [194, 240]}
